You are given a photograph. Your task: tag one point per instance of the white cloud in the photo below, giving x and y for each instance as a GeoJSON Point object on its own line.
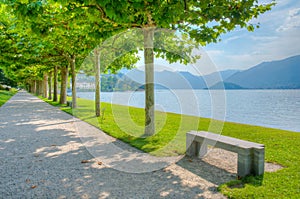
{"type": "Point", "coordinates": [277, 38]}
{"type": "Point", "coordinates": [266, 49]}
{"type": "Point", "coordinates": [213, 53]}
{"type": "Point", "coordinates": [292, 21]}
{"type": "Point", "coordinates": [264, 38]}
{"type": "Point", "coordinates": [232, 38]}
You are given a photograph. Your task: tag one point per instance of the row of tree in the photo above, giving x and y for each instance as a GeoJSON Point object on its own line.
{"type": "Point", "coordinates": [44, 41]}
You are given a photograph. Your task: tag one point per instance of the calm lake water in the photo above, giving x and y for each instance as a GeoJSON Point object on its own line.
{"type": "Point", "coordinates": [270, 108]}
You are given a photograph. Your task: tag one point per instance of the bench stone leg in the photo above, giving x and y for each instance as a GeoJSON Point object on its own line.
{"type": "Point", "coordinates": [202, 149]}
{"type": "Point", "coordinates": [192, 147]}
{"type": "Point", "coordinates": [244, 163]}
{"type": "Point", "coordinates": [258, 164]}
{"type": "Point", "coordinates": [195, 148]}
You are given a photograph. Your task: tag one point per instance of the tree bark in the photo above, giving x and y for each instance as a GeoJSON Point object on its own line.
{"type": "Point", "coordinates": [31, 86]}
{"type": "Point", "coordinates": [63, 86]}
{"type": "Point", "coordinates": [28, 86]}
{"type": "Point", "coordinates": [50, 86]}
{"type": "Point", "coordinates": [34, 87]}
{"type": "Point", "coordinates": [37, 90]}
{"type": "Point", "coordinates": [149, 82]}
{"type": "Point", "coordinates": [97, 83]}
{"type": "Point", "coordinates": [73, 71]}
{"type": "Point", "coordinates": [45, 85]}
{"type": "Point", "coordinates": [55, 85]}
{"type": "Point", "coordinates": [40, 90]}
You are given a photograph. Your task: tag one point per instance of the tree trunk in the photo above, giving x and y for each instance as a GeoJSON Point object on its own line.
{"type": "Point", "coordinates": [45, 85]}
{"type": "Point", "coordinates": [149, 82]}
{"type": "Point", "coordinates": [37, 90]}
{"type": "Point", "coordinates": [97, 83]}
{"type": "Point", "coordinates": [28, 86]}
{"type": "Point", "coordinates": [73, 71]}
{"type": "Point", "coordinates": [34, 87]}
{"type": "Point", "coordinates": [40, 90]}
{"type": "Point", "coordinates": [55, 85]}
{"type": "Point", "coordinates": [50, 86]}
{"type": "Point", "coordinates": [31, 86]}
{"type": "Point", "coordinates": [64, 83]}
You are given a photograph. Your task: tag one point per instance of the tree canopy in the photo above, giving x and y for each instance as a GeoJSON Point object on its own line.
{"type": "Point", "coordinates": [38, 34]}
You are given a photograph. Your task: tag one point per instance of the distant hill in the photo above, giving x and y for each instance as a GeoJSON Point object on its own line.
{"type": "Point", "coordinates": [226, 85]}
{"type": "Point", "coordinates": [180, 79]}
{"type": "Point", "coordinates": [282, 74]}
{"type": "Point", "coordinates": [214, 78]}
{"type": "Point", "coordinates": [109, 83]}
{"type": "Point", "coordinates": [169, 79]}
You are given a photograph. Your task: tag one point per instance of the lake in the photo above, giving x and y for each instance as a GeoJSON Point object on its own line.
{"type": "Point", "coordinates": [269, 108]}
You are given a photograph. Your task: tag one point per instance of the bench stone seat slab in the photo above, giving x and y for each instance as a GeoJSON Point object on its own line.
{"type": "Point", "coordinates": [250, 154]}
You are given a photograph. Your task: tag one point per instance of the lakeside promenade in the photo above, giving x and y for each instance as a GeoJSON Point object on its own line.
{"type": "Point", "coordinates": [43, 155]}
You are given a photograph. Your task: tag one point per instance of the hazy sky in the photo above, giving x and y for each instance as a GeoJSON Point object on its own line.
{"type": "Point", "coordinates": [278, 37]}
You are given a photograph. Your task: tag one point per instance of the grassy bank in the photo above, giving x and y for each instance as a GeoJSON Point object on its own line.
{"type": "Point", "coordinates": [6, 95]}
{"type": "Point", "coordinates": [282, 147]}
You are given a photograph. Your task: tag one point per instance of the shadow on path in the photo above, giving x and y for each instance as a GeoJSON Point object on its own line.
{"type": "Point", "coordinates": [41, 156]}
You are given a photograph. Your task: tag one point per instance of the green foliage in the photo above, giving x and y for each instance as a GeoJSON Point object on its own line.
{"type": "Point", "coordinates": [109, 83]}
{"type": "Point", "coordinates": [6, 81]}
{"type": "Point", "coordinates": [117, 82]}
{"type": "Point", "coordinates": [204, 21]}
{"type": "Point", "coordinates": [21, 49]}
{"type": "Point", "coordinates": [41, 34]}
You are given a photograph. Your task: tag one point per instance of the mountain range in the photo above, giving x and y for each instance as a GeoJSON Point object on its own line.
{"type": "Point", "coordinates": [281, 74]}
{"type": "Point", "coordinates": [180, 79]}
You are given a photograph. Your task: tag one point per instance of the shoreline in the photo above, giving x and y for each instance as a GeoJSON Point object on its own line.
{"type": "Point", "coordinates": [242, 114]}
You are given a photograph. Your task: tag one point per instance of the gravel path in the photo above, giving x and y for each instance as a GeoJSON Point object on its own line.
{"type": "Point", "coordinates": [43, 155]}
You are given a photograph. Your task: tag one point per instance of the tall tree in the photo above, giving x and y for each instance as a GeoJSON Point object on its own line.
{"type": "Point", "coordinates": [97, 82]}
{"type": "Point", "coordinates": [63, 87]}
{"type": "Point", "coordinates": [55, 85]}
{"type": "Point", "coordinates": [27, 56]}
{"type": "Point", "coordinates": [104, 59]}
{"type": "Point", "coordinates": [50, 86]}
{"type": "Point", "coordinates": [45, 85]}
{"type": "Point", "coordinates": [63, 35]}
{"type": "Point", "coordinates": [203, 21]}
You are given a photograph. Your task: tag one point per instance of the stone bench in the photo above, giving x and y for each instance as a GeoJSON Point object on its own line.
{"type": "Point", "coordinates": [251, 156]}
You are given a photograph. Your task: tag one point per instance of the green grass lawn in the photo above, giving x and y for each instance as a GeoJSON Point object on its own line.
{"type": "Point", "coordinates": [5, 95]}
{"type": "Point", "coordinates": [282, 147]}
